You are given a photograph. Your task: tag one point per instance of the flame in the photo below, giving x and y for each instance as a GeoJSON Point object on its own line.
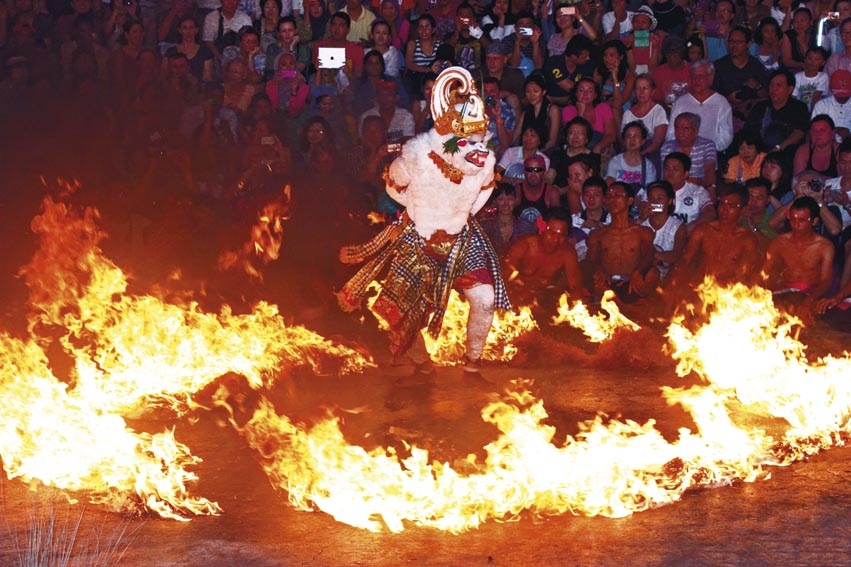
{"type": "Point", "coordinates": [448, 348]}
{"type": "Point", "coordinates": [597, 328]}
{"type": "Point", "coordinates": [128, 352]}
{"type": "Point", "coordinates": [266, 235]}
{"type": "Point", "coordinates": [374, 218]}
{"type": "Point", "coordinates": [611, 467]}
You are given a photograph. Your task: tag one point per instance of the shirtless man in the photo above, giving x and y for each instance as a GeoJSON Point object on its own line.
{"type": "Point", "coordinates": [799, 263]}
{"type": "Point", "coordinates": [621, 253]}
{"type": "Point", "coordinates": [536, 262]}
{"type": "Point", "coordinates": [723, 248]}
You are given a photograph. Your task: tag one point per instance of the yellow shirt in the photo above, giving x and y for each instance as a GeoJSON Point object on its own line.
{"type": "Point", "coordinates": [747, 171]}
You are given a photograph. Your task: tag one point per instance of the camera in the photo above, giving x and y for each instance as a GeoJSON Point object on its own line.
{"type": "Point", "coordinates": [526, 31]}
{"type": "Point", "coordinates": [490, 101]}
{"type": "Point", "coordinates": [657, 207]}
{"type": "Point", "coordinates": [394, 148]}
{"type": "Point", "coordinates": [815, 185]}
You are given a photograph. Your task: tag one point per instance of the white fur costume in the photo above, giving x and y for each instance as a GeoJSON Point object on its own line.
{"type": "Point", "coordinates": [442, 177]}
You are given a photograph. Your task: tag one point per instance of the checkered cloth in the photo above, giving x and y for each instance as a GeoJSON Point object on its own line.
{"type": "Point", "coordinates": [415, 283]}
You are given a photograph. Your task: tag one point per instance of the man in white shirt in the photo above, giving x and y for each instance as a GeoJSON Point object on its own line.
{"type": "Point", "coordinates": [692, 203]}
{"type": "Point", "coordinates": [400, 122]}
{"type": "Point", "coordinates": [838, 104]}
{"type": "Point", "coordinates": [716, 115]}
{"type": "Point", "coordinates": [220, 22]}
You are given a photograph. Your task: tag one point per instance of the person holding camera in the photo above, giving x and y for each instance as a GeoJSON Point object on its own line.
{"type": "Point", "coordinates": [502, 120]}
{"type": "Point", "coordinates": [825, 220]}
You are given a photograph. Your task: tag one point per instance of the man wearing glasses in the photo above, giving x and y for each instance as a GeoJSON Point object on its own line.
{"type": "Point", "coordinates": [532, 193]}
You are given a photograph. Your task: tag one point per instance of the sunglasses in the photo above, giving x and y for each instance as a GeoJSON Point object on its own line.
{"type": "Point", "coordinates": [534, 170]}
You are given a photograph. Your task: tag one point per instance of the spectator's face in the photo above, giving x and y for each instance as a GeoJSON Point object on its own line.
{"type": "Point", "coordinates": [316, 10]}
{"type": "Point", "coordinates": [534, 93]}
{"type": "Point", "coordinates": [500, 7]}
{"type": "Point", "coordinates": [800, 220]}
{"type": "Point", "coordinates": [724, 12]}
{"type": "Point", "coordinates": [504, 204]}
{"type": "Point", "coordinates": [801, 22]}
{"type": "Point", "coordinates": [338, 29]}
{"type": "Point", "coordinates": [249, 43]}
{"type": "Point", "coordinates": [381, 35]}
{"type": "Point", "coordinates": [779, 90]}
{"type": "Point", "coordinates": [577, 173]}
{"type": "Point", "coordinates": [491, 89]}
{"type": "Point", "coordinates": [262, 109]}
{"type": "Point", "coordinates": [843, 164]}
{"type": "Point", "coordinates": [658, 196]}
{"type": "Point", "coordinates": [643, 90]}
{"type": "Point", "coordinates": [730, 209]}
{"type": "Point", "coordinates": [353, 4]}
{"type": "Point", "coordinates": [531, 140]}
{"type": "Point", "coordinates": [374, 133]}
{"type": "Point", "coordinates": [684, 133]}
{"type": "Point", "coordinates": [236, 71]}
{"type": "Point", "coordinates": [813, 61]}
{"type": "Point", "coordinates": [821, 133]}
{"type": "Point", "coordinates": [641, 22]}
{"type": "Point", "coordinates": [315, 133]}
{"type": "Point", "coordinates": [617, 199]}
{"type": "Point", "coordinates": [270, 10]}
{"type": "Point", "coordinates": [674, 173]}
{"type": "Point", "coordinates": [326, 106]}
{"type": "Point", "coordinates": [577, 136]}
{"type": "Point", "coordinates": [592, 196]}
{"type": "Point", "coordinates": [287, 62]}
{"type": "Point", "coordinates": [374, 66]}
{"type": "Point", "coordinates": [611, 57]}
{"type": "Point", "coordinates": [845, 35]}
{"type": "Point", "coordinates": [586, 92]}
{"type": "Point", "coordinates": [534, 169]}
{"type": "Point", "coordinates": [757, 199]}
{"type": "Point", "coordinates": [424, 29]}
{"type": "Point", "coordinates": [555, 234]}
{"type": "Point", "coordinates": [772, 171]}
{"type": "Point", "coordinates": [136, 35]}
{"type": "Point", "coordinates": [229, 6]}
{"type": "Point", "coordinates": [736, 44]}
{"type": "Point", "coordinates": [747, 152]}
{"type": "Point", "coordinates": [389, 11]}
{"type": "Point", "coordinates": [495, 63]}
{"type": "Point", "coordinates": [386, 98]}
{"type": "Point", "coordinates": [633, 138]}
{"type": "Point", "coordinates": [286, 32]}
{"type": "Point", "coordinates": [179, 67]}
{"type": "Point", "coordinates": [770, 35]}
{"type": "Point", "coordinates": [701, 80]}
{"type": "Point", "coordinates": [188, 30]}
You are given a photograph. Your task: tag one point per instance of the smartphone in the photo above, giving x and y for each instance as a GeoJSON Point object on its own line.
{"type": "Point", "coordinates": [657, 207]}
{"type": "Point", "coordinates": [288, 73]}
{"type": "Point", "coordinates": [642, 38]}
{"type": "Point", "coordinates": [568, 11]}
{"type": "Point", "coordinates": [526, 31]}
{"type": "Point", "coordinates": [267, 141]}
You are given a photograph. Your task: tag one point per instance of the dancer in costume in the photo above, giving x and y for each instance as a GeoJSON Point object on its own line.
{"type": "Point", "coordinates": [442, 177]}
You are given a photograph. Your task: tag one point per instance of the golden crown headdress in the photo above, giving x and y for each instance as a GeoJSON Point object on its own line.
{"type": "Point", "coordinates": [456, 105]}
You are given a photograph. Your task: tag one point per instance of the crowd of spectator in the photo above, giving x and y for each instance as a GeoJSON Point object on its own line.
{"type": "Point", "coordinates": [709, 126]}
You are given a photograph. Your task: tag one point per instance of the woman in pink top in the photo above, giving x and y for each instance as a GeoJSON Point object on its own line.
{"type": "Point", "coordinates": [599, 114]}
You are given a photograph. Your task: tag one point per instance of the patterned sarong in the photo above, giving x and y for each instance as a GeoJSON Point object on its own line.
{"type": "Point", "coordinates": [415, 280]}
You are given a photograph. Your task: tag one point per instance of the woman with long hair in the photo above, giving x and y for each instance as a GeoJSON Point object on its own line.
{"type": "Point", "coordinates": [777, 171]}
{"type": "Point", "coordinates": [380, 37]}
{"type": "Point", "coordinates": [615, 77]}
{"type": "Point", "coordinates": [421, 53]}
{"type": "Point", "coordinates": [400, 28]}
{"type": "Point", "coordinates": [498, 21]}
{"type": "Point", "coordinates": [199, 55]}
{"type": "Point", "coordinates": [539, 113]}
{"type": "Point", "coordinates": [798, 39]}
{"type": "Point", "coordinates": [767, 45]}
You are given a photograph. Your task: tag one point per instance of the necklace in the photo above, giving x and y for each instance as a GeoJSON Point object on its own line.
{"type": "Point", "coordinates": [449, 171]}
